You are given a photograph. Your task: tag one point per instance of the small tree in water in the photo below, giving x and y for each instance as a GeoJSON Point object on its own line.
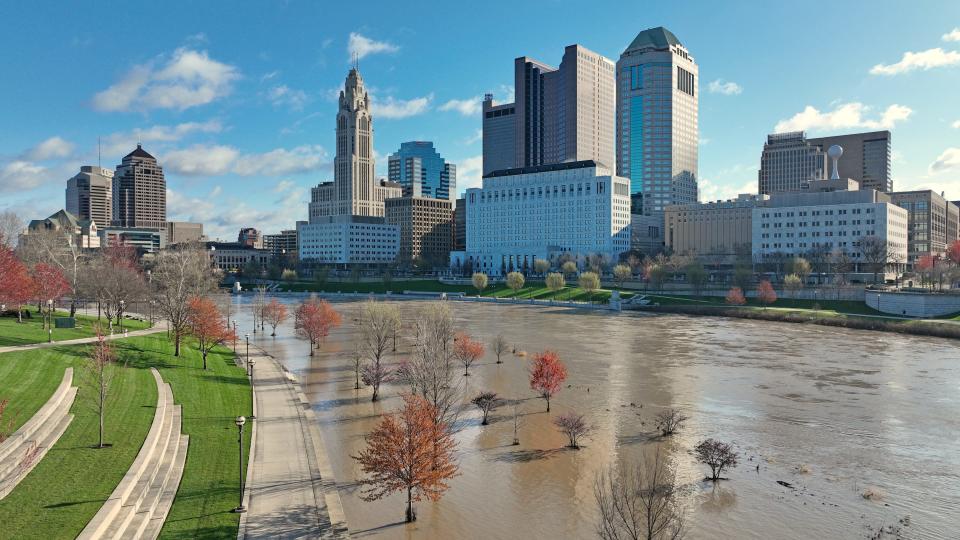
{"type": "Point", "coordinates": [670, 421]}
{"type": "Point", "coordinates": [499, 346]}
{"type": "Point", "coordinates": [486, 402]}
{"type": "Point", "coordinates": [574, 427]}
{"type": "Point", "coordinates": [717, 455]}
{"type": "Point", "coordinates": [467, 351]}
{"type": "Point", "coordinates": [547, 373]}
{"type": "Point", "coordinates": [409, 451]}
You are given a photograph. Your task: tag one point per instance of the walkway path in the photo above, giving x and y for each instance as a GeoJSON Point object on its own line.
{"type": "Point", "coordinates": [290, 489]}
{"type": "Point", "coordinates": [157, 327]}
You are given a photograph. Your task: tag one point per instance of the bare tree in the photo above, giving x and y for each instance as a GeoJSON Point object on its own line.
{"type": "Point", "coordinates": [574, 426]}
{"type": "Point", "coordinates": [516, 422]}
{"type": "Point", "coordinates": [100, 374]}
{"type": "Point", "coordinates": [178, 275]}
{"type": "Point", "coordinates": [670, 421]}
{"type": "Point", "coordinates": [487, 401]}
{"type": "Point", "coordinates": [717, 455]}
{"type": "Point", "coordinates": [11, 225]}
{"type": "Point", "coordinates": [58, 249]}
{"type": "Point", "coordinates": [357, 358]}
{"type": "Point", "coordinates": [875, 252]}
{"type": "Point", "coordinates": [499, 346]}
{"type": "Point", "coordinates": [640, 501]}
{"type": "Point", "coordinates": [259, 304]}
{"type": "Point", "coordinates": [378, 323]}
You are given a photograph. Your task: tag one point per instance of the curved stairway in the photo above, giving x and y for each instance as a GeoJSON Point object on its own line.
{"type": "Point", "coordinates": [139, 505]}
{"type": "Point", "coordinates": [20, 453]}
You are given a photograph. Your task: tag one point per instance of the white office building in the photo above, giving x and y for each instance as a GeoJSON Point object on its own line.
{"type": "Point", "coordinates": [829, 222]}
{"type": "Point", "coordinates": [348, 240]}
{"type": "Point", "coordinates": [520, 215]}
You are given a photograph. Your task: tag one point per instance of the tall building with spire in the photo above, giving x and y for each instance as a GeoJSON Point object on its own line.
{"type": "Point", "coordinates": [355, 190]}
{"type": "Point", "coordinates": [657, 134]}
{"type": "Point", "coordinates": [139, 192]}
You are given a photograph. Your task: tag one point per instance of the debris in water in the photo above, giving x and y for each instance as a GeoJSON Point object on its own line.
{"type": "Point", "coordinates": [785, 484]}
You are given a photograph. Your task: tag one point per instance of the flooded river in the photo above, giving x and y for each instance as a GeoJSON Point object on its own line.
{"type": "Point", "coordinates": [832, 412]}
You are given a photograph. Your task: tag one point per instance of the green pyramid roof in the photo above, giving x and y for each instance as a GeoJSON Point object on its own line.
{"type": "Point", "coordinates": [657, 38]}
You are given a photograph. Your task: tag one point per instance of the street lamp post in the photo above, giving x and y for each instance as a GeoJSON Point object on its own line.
{"type": "Point", "coordinates": [248, 347]}
{"type": "Point", "coordinates": [120, 316]}
{"type": "Point", "coordinates": [49, 321]}
{"type": "Point", "coordinates": [240, 421]}
{"type": "Point", "coordinates": [252, 362]}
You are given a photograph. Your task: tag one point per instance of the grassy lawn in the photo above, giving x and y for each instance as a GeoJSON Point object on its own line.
{"type": "Point", "coordinates": [31, 329]}
{"type": "Point", "coordinates": [827, 307]}
{"type": "Point", "coordinates": [69, 485]}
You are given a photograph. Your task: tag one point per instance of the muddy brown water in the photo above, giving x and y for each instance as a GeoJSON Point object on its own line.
{"type": "Point", "coordinates": [832, 412]}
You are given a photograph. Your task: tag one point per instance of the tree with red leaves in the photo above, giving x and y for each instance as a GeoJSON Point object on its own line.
{"type": "Point", "coordinates": [16, 285]}
{"type": "Point", "coordinates": [953, 252]}
{"type": "Point", "coordinates": [313, 321]}
{"type": "Point", "coordinates": [275, 313]}
{"type": "Point", "coordinates": [467, 351]}
{"type": "Point", "coordinates": [735, 297]}
{"type": "Point", "coordinates": [206, 325]}
{"type": "Point", "coordinates": [547, 374]}
{"type": "Point", "coordinates": [765, 293]}
{"type": "Point", "coordinates": [49, 283]}
{"type": "Point", "coordinates": [409, 451]}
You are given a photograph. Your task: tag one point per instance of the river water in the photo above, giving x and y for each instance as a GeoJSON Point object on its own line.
{"type": "Point", "coordinates": [833, 412]}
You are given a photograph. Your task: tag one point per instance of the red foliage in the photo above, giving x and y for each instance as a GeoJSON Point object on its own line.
{"type": "Point", "coordinates": [314, 319]}
{"type": "Point", "coordinates": [207, 325]}
{"type": "Point", "coordinates": [121, 254]}
{"type": "Point", "coordinates": [953, 252]}
{"type": "Point", "coordinates": [926, 263]}
{"type": "Point", "coordinates": [275, 313]}
{"type": "Point", "coordinates": [735, 297]}
{"type": "Point", "coordinates": [49, 283]}
{"type": "Point", "coordinates": [765, 293]}
{"type": "Point", "coordinates": [547, 374]}
{"type": "Point", "coordinates": [409, 451]}
{"type": "Point", "coordinates": [16, 285]}
{"type": "Point", "coordinates": [467, 351]}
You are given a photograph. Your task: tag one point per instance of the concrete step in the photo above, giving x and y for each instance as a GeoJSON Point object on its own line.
{"type": "Point", "coordinates": [121, 507]}
{"type": "Point", "coordinates": [149, 520]}
{"type": "Point", "coordinates": [39, 435]}
{"type": "Point", "coordinates": [32, 455]}
{"type": "Point", "coordinates": [40, 418]}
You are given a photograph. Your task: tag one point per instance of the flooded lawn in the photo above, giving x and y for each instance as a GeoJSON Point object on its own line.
{"type": "Point", "coordinates": [832, 412]}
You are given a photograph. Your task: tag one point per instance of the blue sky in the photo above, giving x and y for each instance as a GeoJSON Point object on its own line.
{"type": "Point", "coordinates": [238, 99]}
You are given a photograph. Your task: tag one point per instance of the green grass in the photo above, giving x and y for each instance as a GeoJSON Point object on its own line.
{"type": "Point", "coordinates": [826, 307]}
{"type": "Point", "coordinates": [66, 489]}
{"type": "Point", "coordinates": [31, 330]}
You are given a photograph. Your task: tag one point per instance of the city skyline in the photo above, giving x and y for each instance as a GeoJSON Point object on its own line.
{"type": "Point", "coordinates": [243, 113]}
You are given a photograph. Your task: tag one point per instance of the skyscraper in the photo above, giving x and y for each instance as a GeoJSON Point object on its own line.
{"type": "Point", "coordinates": [560, 114]}
{"type": "Point", "coordinates": [90, 195]}
{"type": "Point", "coordinates": [788, 161]}
{"type": "Point", "coordinates": [355, 190]}
{"type": "Point", "coordinates": [139, 192]}
{"type": "Point", "coordinates": [866, 158]}
{"type": "Point", "coordinates": [657, 134]}
{"type": "Point", "coordinates": [421, 172]}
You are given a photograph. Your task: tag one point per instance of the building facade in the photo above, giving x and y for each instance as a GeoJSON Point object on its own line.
{"type": "Point", "coordinates": [866, 158]}
{"type": "Point", "coordinates": [179, 232]}
{"type": "Point", "coordinates": [559, 115]}
{"type": "Point", "coordinates": [656, 120]}
{"type": "Point", "coordinates": [90, 195]}
{"type": "Point", "coordinates": [422, 172]}
{"type": "Point", "coordinates": [232, 257]}
{"type": "Point", "coordinates": [77, 232]}
{"type": "Point", "coordinates": [425, 226]}
{"type": "Point", "coordinates": [346, 240]}
{"type": "Point", "coordinates": [460, 225]}
{"type": "Point", "coordinates": [283, 245]}
{"type": "Point", "coordinates": [139, 192]}
{"type": "Point", "coordinates": [932, 222]}
{"type": "Point", "coordinates": [788, 160]}
{"type": "Point", "coordinates": [803, 224]}
{"type": "Point", "coordinates": [715, 232]}
{"type": "Point", "coordinates": [144, 239]}
{"type": "Point", "coordinates": [520, 215]}
{"type": "Point", "coordinates": [250, 237]}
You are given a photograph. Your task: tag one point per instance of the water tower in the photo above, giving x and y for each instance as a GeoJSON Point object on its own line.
{"type": "Point", "coordinates": [834, 153]}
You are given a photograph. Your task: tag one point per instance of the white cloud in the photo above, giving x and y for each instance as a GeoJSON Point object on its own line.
{"type": "Point", "coordinates": [224, 220]}
{"type": "Point", "coordinates": [52, 148]}
{"type": "Point", "coordinates": [727, 88]}
{"type": "Point", "coordinates": [949, 160]}
{"type": "Point", "coordinates": [19, 175]}
{"type": "Point", "coordinates": [710, 191]}
{"type": "Point", "coordinates": [843, 116]}
{"type": "Point", "coordinates": [475, 138]}
{"type": "Point", "coordinates": [360, 46]}
{"type": "Point", "coordinates": [466, 107]}
{"type": "Point", "coordinates": [269, 76]}
{"type": "Point", "coordinates": [955, 125]}
{"type": "Point", "coordinates": [123, 142]}
{"type": "Point", "coordinates": [469, 173]}
{"type": "Point", "coordinates": [929, 59]}
{"type": "Point", "coordinates": [283, 95]}
{"type": "Point", "coordinates": [953, 35]}
{"type": "Point", "coordinates": [215, 160]}
{"type": "Point", "coordinates": [284, 185]}
{"type": "Point", "coordinates": [188, 79]}
{"type": "Point", "coordinates": [401, 108]}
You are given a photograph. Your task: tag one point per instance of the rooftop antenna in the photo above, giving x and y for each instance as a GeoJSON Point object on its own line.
{"type": "Point", "coordinates": [356, 61]}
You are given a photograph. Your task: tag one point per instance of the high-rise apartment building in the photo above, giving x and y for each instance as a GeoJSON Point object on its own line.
{"type": "Point", "coordinates": [422, 172]}
{"type": "Point", "coordinates": [559, 115]}
{"type": "Point", "coordinates": [788, 161]}
{"type": "Point", "coordinates": [656, 120]}
{"type": "Point", "coordinates": [355, 190]}
{"type": "Point", "coordinates": [90, 195]}
{"type": "Point", "coordinates": [866, 158]}
{"type": "Point", "coordinates": [139, 192]}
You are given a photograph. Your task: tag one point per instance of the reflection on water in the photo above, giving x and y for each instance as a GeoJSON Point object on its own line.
{"type": "Point", "coordinates": [830, 412]}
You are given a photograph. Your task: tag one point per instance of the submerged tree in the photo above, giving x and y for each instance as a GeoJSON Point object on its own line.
{"type": "Point", "coordinates": [379, 322]}
{"type": "Point", "coordinates": [573, 426]}
{"type": "Point", "coordinates": [717, 455]}
{"type": "Point", "coordinates": [499, 346]}
{"type": "Point", "coordinates": [486, 401]}
{"type": "Point", "coordinates": [409, 451]}
{"type": "Point", "coordinates": [275, 313]}
{"type": "Point", "coordinates": [640, 501]}
{"type": "Point", "coordinates": [670, 421]}
{"type": "Point", "coordinates": [547, 373]}
{"type": "Point", "coordinates": [467, 351]}
{"type": "Point", "coordinates": [313, 321]}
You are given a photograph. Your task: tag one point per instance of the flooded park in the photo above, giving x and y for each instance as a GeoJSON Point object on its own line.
{"type": "Point", "coordinates": [839, 432]}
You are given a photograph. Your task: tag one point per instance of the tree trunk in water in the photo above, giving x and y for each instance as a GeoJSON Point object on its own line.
{"type": "Point", "coordinates": [411, 516]}
{"type": "Point", "coordinates": [548, 404]}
